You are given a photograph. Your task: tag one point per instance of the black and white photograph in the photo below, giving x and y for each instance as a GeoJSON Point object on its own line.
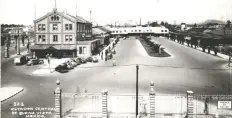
{"type": "Point", "coordinates": [116, 58]}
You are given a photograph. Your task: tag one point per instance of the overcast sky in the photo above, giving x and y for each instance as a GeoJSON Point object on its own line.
{"type": "Point", "coordinates": [111, 11]}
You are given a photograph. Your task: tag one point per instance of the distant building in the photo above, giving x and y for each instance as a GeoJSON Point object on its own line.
{"type": "Point", "coordinates": [139, 30]}
{"type": "Point", "coordinates": [62, 35]}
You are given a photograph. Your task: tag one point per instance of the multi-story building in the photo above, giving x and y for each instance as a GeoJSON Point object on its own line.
{"type": "Point", "coordinates": [62, 35]}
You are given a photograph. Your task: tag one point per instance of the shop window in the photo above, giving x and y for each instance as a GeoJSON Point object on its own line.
{"type": "Point", "coordinates": [55, 38]}
{"type": "Point", "coordinates": [80, 50]}
{"type": "Point", "coordinates": [55, 27]}
{"type": "Point", "coordinates": [85, 50]}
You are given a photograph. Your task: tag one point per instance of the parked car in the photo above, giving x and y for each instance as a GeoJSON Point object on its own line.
{"type": "Point", "coordinates": [95, 59]}
{"type": "Point", "coordinates": [28, 58]}
{"type": "Point", "coordinates": [62, 68]}
{"type": "Point", "coordinates": [20, 60]}
{"type": "Point", "coordinates": [34, 62]}
{"type": "Point", "coordinates": [73, 62]}
{"type": "Point", "coordinates": [70, 65]}
{"type": "Point", "coordinates": [109, 56]}
{"type": "Point", "coordinates": [89, 59]}
{"type": "Point", "coordinates": [83, 60]}
{"type": "Point", "coordinates": [80, 60]}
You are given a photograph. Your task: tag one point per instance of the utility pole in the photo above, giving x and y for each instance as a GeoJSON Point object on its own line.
{"type": "Point", "coordinates": [90, 12]}
{"type": "Point", "coordinates": [137, 86]}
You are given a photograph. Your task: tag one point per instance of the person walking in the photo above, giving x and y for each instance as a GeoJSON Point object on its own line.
{"type": "Point", "coordinates": [114, 62]}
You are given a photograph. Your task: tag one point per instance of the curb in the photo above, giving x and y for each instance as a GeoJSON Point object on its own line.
{"type": "Point", "coordinates": [13, 95]}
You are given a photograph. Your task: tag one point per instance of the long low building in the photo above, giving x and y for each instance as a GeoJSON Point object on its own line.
{"type": "Point", "coordinates": [161, 30]}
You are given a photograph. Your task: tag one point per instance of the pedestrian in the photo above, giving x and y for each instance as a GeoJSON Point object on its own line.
{"type": "Point", "coordinates": [114, 62]}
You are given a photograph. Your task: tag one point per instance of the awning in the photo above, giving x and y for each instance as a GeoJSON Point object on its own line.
{"type": "Point", "coordinates": [53, 47]}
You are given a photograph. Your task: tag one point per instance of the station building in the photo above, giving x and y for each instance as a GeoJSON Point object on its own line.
{"type": "Point", "coordinates": [138, 30]}
{"type": "Point", "coordinates": [62, 35]}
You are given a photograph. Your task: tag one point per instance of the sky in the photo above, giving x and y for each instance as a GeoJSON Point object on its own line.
{"type": "Point", "coordinates": [118, 11]}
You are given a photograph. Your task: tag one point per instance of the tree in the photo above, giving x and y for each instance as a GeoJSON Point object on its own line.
{"type": "Point", "coordinates": [166, 24]}
{"type": "Point", "coordinates": [162, 23]}
{"type": "Point", "coordinates": [228, 23]}
{"type": "Point", "coordinates": [154, 24]}
{"type": "Point", "coordinates": [195, 25]}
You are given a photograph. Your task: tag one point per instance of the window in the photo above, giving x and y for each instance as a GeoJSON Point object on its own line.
{"type": "Point", "coordinates": [55, 38]}
{"type": "Point", "coordinates": [85, 50]}
{"type": "Point", "coordinates": [116, 31]}
{"type": "Point", "coordinates": [113, 31]}
{"type": "Point", "coordinates": [66, 38]}
{"type": "Point", "coordinates": [131, 30]}
{"type": "Point", "coordinates": [165, 30]}
{"type": "Point", "coordinates": [124, 30]}
{"type": "Point", "coordinates": [39, 38]}
{"type": "Point", "coordinates": [135, 30]}
{"type": "Point", "coordinates": [77, 27]}
{"type": "Point", "coordinates": [43, 27]}
{"type": "Point", "coordinates": [120, 31]}
{"type": "Point", "coordinates": [70, 26]}
{"type": "Point", "coordinates": [147, 30]}
{"type": "Point", "coordinates": [80, 27]}
{"type": "Point", "coordinates": [66, 26]}
{"type": "Point", "coordinates": [39, 27]}
{"type": "Point", "coordinates": [162, 30]}
{"type": "Point", "coordinates": [70, 37]}
{"type": "Point", "coordinates": [80, 50]}
{"type": "Point", "coordinates": [139, 30]}
{"type": "Point", "coordinates": [55, 26]}
{"type": "Point", "coordinates": [43, 38]}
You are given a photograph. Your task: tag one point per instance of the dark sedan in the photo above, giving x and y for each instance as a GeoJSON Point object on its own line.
{"type": "Point", "coordinates": [62, 68]}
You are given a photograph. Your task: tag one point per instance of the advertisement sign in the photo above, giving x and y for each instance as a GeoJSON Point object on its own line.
{"type": "Point", "coordinates": [224, 104]}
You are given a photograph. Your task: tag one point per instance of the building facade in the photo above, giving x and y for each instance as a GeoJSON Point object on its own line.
{"type": "Point", "coordinates": [58, 33]}
{"type": "Point", "coordinates": [139, 30]}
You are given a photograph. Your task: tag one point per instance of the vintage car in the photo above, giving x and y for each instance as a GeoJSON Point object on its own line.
{"type": "Point", "coordinates": [21, 59]}
{"type": "Point", "coordinates": [34, 62]}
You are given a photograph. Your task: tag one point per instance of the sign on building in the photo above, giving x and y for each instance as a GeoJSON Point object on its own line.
{"type": "Point", "coordinates": [224, 104]}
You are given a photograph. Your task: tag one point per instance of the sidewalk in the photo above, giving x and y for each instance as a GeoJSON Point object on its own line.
{"type": "Point", "coordinates": [223, 56]}
{"type": "Point", "coordinates": [8, 92]}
